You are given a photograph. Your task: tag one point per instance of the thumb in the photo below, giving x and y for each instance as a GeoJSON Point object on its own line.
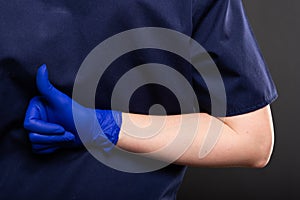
{"type": "Point", "coordinates": [48, 91]}
{"type": "Point", "coordinates": [43, 84]}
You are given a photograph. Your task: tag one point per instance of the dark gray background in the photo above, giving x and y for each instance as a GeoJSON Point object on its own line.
{"type": "Point", "coordinates": [276, 24]}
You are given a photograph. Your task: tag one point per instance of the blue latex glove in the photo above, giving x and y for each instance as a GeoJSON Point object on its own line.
{"type": "Point", "coordinates": [50, 121]}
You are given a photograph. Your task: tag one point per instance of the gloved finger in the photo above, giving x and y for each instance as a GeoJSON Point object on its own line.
{"type": "Point", "coordinates": [39, 147]}
{"type": "Point", "coordinates": [36, 119]}
{"type": "Point", "coordinates": [67, 137]}
{"type": "Point", "coordinates": [45, 151]}
{"type": "Point", "coordinates": [44, 86]}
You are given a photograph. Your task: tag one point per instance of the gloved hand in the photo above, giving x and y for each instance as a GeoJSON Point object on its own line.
{"type": "Point", "coordinates": [50, 121]}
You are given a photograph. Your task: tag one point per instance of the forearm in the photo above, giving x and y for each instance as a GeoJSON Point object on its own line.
{"type": "Point", "coordinates": [233, 146]}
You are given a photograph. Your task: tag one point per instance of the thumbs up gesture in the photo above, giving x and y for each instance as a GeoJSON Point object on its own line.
{"type": "Point", "coordinates": [49, 120]}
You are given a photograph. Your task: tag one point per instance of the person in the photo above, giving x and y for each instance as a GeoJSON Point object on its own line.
{"type": "Point", "coordinates": [61, 34]}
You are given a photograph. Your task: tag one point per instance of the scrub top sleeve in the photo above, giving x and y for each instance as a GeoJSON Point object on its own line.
{"type": "Point", "coordinates": [222, 28]}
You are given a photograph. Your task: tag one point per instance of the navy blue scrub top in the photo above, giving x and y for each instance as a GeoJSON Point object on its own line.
{"type": "Point", "coordinates": [61, 33]}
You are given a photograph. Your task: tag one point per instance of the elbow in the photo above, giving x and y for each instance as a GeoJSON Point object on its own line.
{"type": "Point", "coordinates": [263, 151]}
{"type": "Point", "coordinates": [261, 162]}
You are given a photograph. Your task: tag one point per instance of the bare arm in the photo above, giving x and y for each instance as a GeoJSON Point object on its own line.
{"type": "Point", "coordinates": [245, 140]}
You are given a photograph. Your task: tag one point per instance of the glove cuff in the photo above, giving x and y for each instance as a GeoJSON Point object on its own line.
{"type": "Point", "coordinates": [110, 122]}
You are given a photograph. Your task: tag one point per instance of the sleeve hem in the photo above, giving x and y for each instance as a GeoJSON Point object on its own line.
{"type": "Point", "coordinates": [240, 111]}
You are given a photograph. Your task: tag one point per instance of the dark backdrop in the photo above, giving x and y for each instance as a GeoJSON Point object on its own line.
{"type": "Point", "coordinates": [276, 24]}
